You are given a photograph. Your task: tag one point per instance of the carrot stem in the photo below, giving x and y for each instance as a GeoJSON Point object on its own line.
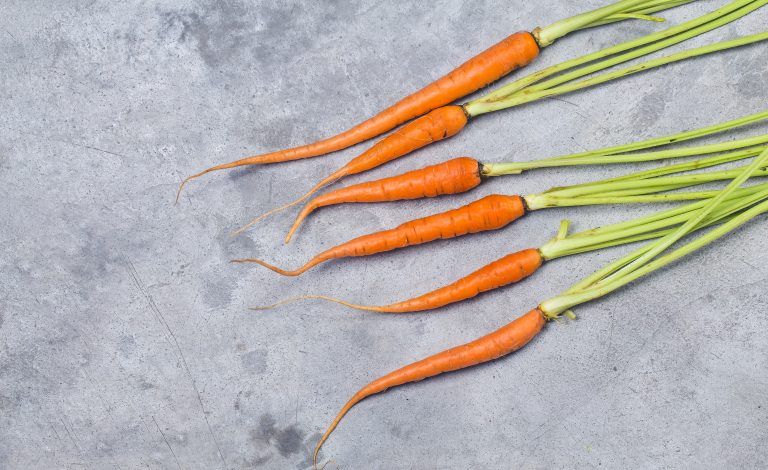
{"type": "Point", "coordinates": [686, 166]}
{"type": "Point", "coordinates": [509, 168]}
{"type": "Point", "coordinates": [560, 304]}
{"type": "Point", "coordinates": [613, 12]}
{"type": "Point", "coordinates": [536, 77]}
{"type": "Point", "coordinates": [476, 108]}
{"type": "Point", "coordinates": [636, 188]}
{"type": "Point", "coordinates": [650, 184]}
{"type": "Point", "coordinates": [702, 213]}
{"type": "Point", "coordinates": [642, 221]}
{"type": "Point", "coordinates": [499, 169]}
{"type": "Point", "coordinates": [575, 244]}
{"type": "Point", "coordinates": [642, 261]}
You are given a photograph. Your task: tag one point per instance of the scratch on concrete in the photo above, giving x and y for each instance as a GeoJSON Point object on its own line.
{"type": "Point", "coordinates": [174, 342]}
{"type": "Point", "coordinates": [64, 141]}
{"type": "Point", "coordinates": [166, 442]}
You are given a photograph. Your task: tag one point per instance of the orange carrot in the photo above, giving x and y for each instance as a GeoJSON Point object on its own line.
{"type": "Point", "coordinates": [513, 52]}
{"type": "Point", "coordinates": [489, 213]}
{"type": "Point", "coordinates": [437, 125]}
{"type": "Point", "coordinates": [507, 270]}
{"type": "Point", "coordinates": [451, 177]}
{"type": "Point", "coordinates": [501, 342]}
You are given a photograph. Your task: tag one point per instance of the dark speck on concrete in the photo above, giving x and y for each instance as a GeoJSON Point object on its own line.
{"type": "Point", "coordinates": [288, 440]}
{"type": "Point", "coordinates": [255, 361]}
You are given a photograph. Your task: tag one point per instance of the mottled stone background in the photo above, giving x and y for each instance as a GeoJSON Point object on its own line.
{"type": "Point", "coordinates": [125, 338]}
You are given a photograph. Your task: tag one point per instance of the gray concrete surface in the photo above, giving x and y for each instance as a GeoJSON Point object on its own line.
{"type": "Point", "coordinates": [125, 339]}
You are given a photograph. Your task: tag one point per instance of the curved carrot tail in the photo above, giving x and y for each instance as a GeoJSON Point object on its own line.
{"type": "Point", "coordinates": [285, 272]}
{"type": "Point", "coordinates": [505, 340]}
{"type": "Point", "coordinates": [451, 177]}
{"type": "Point", "coordinates": [514, 51]}
{"type": "Point", "coordinates": [326, 181]}
{"type": "Point", "coordinates": [223, 166]}
{"type": "Point", "coordinates": [357, 398]}
{"type": "Point", "coordinates": [305, 211]}
{"type": "Point", "coordinates": [321, 297]}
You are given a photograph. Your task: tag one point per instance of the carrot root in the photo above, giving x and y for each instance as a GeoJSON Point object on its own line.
{"type": "Point", "coordinates": [284, 272]}
{"type": "Point", "coordinates": [320, 297]}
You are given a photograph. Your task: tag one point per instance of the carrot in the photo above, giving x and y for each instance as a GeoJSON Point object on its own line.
{"type": "Point", "coordinates": [454, 176]}
{"type": "Point", "coordinates": [501, 342]}
{"type": "Point", "coordinates": [437, 125]}
{"type": "Point", "coordinates": [507, 270]}
{"type": "Point", "coordinates": [489, 213]}
{"type": "Point", "coordinates": [511, 53]}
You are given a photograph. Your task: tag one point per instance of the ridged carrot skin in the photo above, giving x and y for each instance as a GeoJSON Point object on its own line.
{"type": "Point", "coordinates": [511, 53]}
{"type": "Point", "coordinates": [489, 213]}
{"type": "Point", "coordinates": [452, 177]}
{"type": "Point", "coordinates": [507, 270]}
{"type": "Point", "coordinates": [501, 342]}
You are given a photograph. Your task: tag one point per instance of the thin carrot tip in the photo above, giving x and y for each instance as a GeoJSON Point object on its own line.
{"type": "Point", "coordinates": [261, 309]}
{"type": "Point", "coordinates": [178, 191]}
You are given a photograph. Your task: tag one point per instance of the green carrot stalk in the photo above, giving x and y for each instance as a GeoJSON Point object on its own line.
{"type": "Point", "coordinates": [548, 89]}
{"type": "Point", "coordinates": [665, 38]}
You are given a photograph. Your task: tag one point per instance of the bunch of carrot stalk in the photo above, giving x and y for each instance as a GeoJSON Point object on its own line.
{"type": "Point", "coordinates": [709, 213]}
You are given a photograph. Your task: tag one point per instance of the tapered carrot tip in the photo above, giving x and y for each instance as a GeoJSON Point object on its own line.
{"type": "Point", "coordinates": [328, 180]}
{"type": "Point", "coordinates": [223, 166]}
{"type": "Point", "coordinates": [183, 183]}
{"type": "Point", "coordinates": [299, 219]}
{"type": "Point", "coordinates": [178, 191]}
{"type": "Point", "coordinates": [320, 297]}
{"type": "Point", "coordinates": [284, 272]}
{"type": "Point", "coordinates": [278, 304]}
{"type": "Point", "coordinates": [263, 216]}
{"type": "Point", "coordinates": [314, 464]}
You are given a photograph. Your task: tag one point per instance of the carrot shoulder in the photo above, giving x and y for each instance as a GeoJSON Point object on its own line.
{"type": "Point", "coordinates": [452, 177]}
{"type": "Point", "coordinates": [513, 52]}
{"type": "Point", "coordinates": [501, 342]}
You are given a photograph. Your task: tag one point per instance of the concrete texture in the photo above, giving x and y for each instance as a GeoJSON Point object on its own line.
{"type": "Point", "coordinates": [125, 339]}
